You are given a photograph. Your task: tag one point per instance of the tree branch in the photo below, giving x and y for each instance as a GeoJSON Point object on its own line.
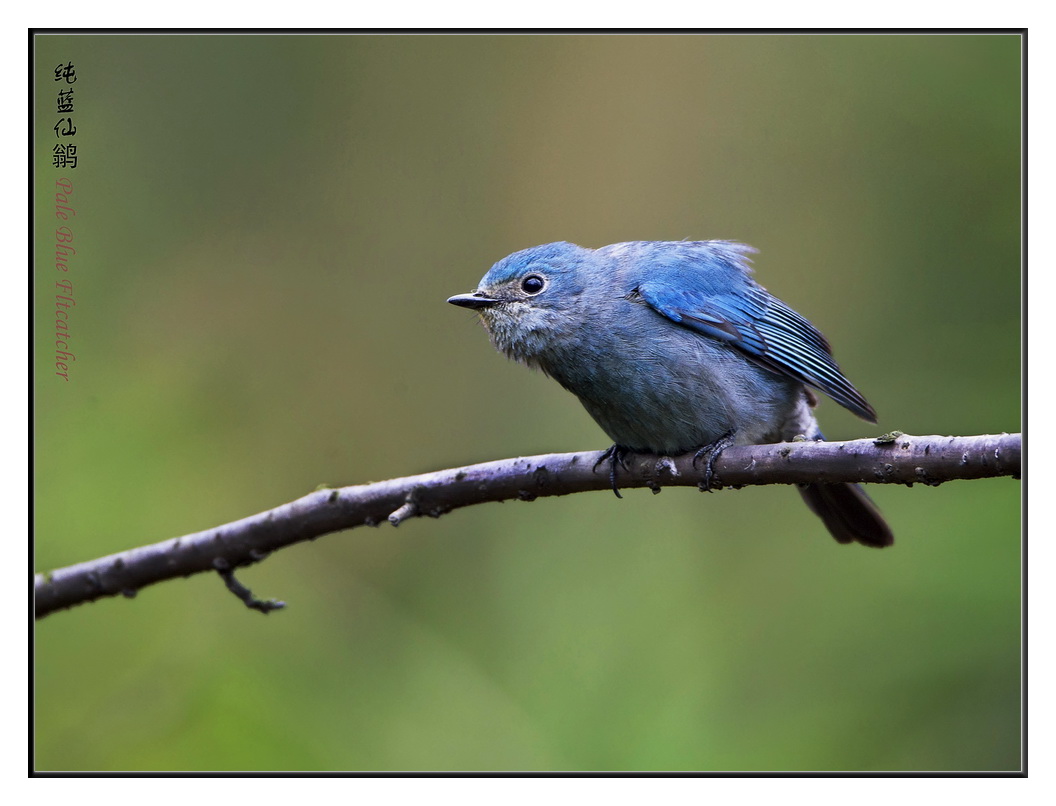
{"type": "Point", "coordinates": [893, 459]}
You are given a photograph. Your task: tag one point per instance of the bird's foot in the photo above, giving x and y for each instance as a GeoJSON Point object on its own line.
{"type": "Point", "coordinates": [710, 453]}
{"type": "Point", "coordinates": [614, 456]}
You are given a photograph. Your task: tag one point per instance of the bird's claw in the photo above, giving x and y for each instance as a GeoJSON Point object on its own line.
{"type": "Point", "coordinates": [711, 451]}
{"type": "Point", "coordinates": [614, 455]}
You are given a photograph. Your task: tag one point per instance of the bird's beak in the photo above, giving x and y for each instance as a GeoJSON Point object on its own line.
{"type": "Point", "coordinates": [476, 300]}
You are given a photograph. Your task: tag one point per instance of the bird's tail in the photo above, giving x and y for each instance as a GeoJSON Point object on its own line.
{"type": "Point", "coordinates": [848, 513]}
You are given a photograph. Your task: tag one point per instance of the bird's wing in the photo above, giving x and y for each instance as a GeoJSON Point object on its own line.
{"type": "Point", "coordinates": [759, 325]}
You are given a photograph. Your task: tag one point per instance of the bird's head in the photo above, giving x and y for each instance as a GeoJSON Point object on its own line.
{"type": "Point", "coordinates": [531, 300]}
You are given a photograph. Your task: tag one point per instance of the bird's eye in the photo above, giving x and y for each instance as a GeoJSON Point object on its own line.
{"type": "Point", "coordinates": [533, 284]}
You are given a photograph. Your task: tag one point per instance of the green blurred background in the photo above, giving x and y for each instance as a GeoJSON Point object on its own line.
{"type": "Point", "coordinates": [267, 228]}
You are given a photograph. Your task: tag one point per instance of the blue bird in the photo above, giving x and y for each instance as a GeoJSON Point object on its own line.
{"type": "Point", "coordinates": [671, 347]}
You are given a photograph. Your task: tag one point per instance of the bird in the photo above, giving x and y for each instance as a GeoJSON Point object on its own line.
{"type": "Point", "coordinates": [672, 347]}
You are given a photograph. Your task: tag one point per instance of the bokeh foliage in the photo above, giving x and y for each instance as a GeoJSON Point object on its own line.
{"type": "Point", "coordinates": [267, 229]}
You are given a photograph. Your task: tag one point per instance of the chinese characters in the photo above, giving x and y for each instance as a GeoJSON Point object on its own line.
{"type": "Point", "coordinates": [64, 154]}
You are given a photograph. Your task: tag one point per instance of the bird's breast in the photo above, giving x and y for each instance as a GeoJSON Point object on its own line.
{"type": "Point", "coordinates": [670, 390]}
